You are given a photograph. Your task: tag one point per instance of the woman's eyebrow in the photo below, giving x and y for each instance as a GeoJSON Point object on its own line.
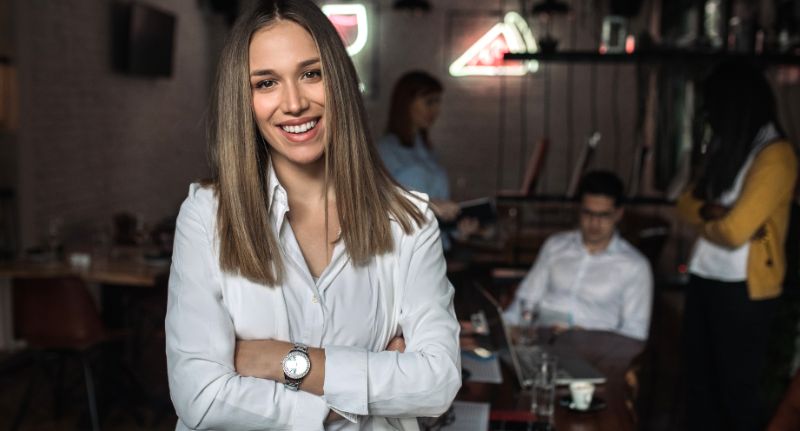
{"type": "Point", "coordinates": [309, 62]}
{"type": "Point", "coordinates": [304, 63]}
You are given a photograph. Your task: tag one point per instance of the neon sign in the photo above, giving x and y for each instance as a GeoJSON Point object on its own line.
{"type": "Point", "coordinates": [485, 57]}
{"type": "Point", "coordinates": [350, 21]}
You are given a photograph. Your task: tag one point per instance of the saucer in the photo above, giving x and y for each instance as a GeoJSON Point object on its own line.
{"type": "Point", "coordinates": [596, 405]}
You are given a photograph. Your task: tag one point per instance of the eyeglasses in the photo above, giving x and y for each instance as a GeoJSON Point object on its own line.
{"type": "Point", "coordinates": [602, 215]}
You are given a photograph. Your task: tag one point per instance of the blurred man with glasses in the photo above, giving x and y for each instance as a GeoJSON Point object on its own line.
{"type": "Point", "coordinates": [589, 277]}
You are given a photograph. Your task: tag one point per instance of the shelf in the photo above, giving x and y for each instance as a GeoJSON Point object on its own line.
{"type": "Point", "coordinates": [636, 200]}
{"type": "Point", "coordinates": [654, 56]}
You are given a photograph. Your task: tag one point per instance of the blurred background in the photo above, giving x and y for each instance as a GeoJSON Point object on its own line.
{"type": "Point", "coordinates": [102, 108]}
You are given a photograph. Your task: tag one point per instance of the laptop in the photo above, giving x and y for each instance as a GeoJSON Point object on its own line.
{"type": "Point", "coordinates": [571, 367]}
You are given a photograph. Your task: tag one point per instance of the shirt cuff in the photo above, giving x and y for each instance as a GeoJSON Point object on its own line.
{"type": "Point", "coordinates": [349, 416]}
{"type": "Point", "coordinates": [346, 379]}
{"type": "Point", "coordinates": [309, 413]}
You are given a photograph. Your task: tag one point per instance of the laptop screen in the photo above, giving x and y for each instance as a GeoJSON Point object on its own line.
{"type": "Point", "coordinates": [499, 334]}
{"type": "Point", "coordinates": [572, 368]}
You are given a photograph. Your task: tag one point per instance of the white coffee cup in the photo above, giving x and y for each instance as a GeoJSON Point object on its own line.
{"type": "Point", "coordinates": [80, 261]}
{"type": "Point", "coordinates": [581, 395]}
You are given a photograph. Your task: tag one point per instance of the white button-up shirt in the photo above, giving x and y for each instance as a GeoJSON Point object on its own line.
{"type": "Point", "coordinates": [351, 311]}
{"type": "Point", "coordinates": [610, 290]}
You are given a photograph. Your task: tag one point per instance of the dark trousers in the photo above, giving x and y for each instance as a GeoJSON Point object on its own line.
{"type": "Point", "coordinates": [726, 337]}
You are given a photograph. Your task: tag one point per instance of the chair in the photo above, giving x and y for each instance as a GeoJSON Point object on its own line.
{"type": "Point", "coordinates": [57, 317]}
{"type": "Point", "coordinates": [149, 309]}
{"type": "Point", "coordinates": [647, 232]}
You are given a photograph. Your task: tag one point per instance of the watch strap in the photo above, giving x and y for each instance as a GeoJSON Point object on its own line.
{"type": "Point", "coordinates": [290, 383]}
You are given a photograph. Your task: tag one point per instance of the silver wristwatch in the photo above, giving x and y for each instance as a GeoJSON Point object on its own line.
{"type": "Point", "coordinates": [296, 366]}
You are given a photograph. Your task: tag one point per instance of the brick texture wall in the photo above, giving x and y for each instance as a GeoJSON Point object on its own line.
{"type": "Point", "coordinates": [8, 156]}
{"type": "Point", "coordinates": [93, 142]}
{"type": "Point", "coordinates": [489, 125]}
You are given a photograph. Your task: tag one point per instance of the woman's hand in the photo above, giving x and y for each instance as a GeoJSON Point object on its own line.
{"type": "Point", "coordinates": [263, 359]}
{"type": "Point", "coordinates": [711, 212]}
{"type": "Point", "coordinates": [396, 344]}
{"type": "Point", "coordinates": [333, 417]}
{"type": "Point", "coordinates": [445, 210]}
{"type": "Point", "coordinates": [467, 227]}
{"type": "Point", "coordinates": [467, 328]}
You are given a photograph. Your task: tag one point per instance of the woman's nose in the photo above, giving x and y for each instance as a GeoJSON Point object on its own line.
{"type": "Point", "coordinates": [294, 101]}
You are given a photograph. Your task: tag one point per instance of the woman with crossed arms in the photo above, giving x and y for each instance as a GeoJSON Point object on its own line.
{"type": "Point", "coordinates": [307, 289]}
{"type": "Point", "coordinates": [740, 206]}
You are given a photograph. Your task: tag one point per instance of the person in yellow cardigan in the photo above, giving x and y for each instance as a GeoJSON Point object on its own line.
{"type": "Point", "coordinates": [740, 207]}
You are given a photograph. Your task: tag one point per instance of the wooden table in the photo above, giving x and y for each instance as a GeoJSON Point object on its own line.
{"type": "Point", "coordinates": [128, 272]}
{"type": "Point", "coordinates": [608, 352]}
{"type": "Point", "coordinates": [125, 269]}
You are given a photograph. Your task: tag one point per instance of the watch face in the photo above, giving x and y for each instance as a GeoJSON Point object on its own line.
{"type": "Point", "coordinates": [296, 365]}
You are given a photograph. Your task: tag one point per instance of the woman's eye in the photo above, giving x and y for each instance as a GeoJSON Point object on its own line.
{"type": "Point", "coordinates": [312, 74]}
{"type": "Point", "coordinates": [267, 83]}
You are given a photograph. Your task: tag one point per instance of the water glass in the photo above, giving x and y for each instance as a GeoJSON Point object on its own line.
{"type": "Point", "coordinates": [528, 316]}
{"type": "Point", "coordinates": [544, 388]}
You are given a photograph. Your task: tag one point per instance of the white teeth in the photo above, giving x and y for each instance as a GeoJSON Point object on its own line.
{"type": "Point", "coordinates": [302, 128]}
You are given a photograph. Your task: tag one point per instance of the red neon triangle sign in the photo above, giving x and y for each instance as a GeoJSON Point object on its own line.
{"type": "Point", "coordinates": [492, 53]}
{"type": "Point", "coordinates": [485, 56]}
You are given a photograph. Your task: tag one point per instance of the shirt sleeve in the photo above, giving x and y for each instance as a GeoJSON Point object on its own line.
{"type": "Point", "coordinates": [404, 167]}
{"type": "Point", "coordinates": [414, 177]}
{"type": "Point", "coordinates": [423, 380]}
{"type": "Point", "coordinates": [637, 303]}
{"type": "Point", "coordinates": [768, 184]}
{"type": "Point", "coordinates": [204, 386]}
{"type": "Point", "coordinates": [532, 288]}
{"type": "Point", "coordinates": [387, 150]}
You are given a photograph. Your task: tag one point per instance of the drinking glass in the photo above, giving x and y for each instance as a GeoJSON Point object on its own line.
{"type": "Point", "coordinates": [544, 389]}
{"type": "Point", "coordinates": [528, 316]}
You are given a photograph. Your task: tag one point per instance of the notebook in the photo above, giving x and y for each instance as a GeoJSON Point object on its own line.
{"type": "Point", "coordinates": [571, 367]}
{"type": "Point", "coordinates": [482, 209]}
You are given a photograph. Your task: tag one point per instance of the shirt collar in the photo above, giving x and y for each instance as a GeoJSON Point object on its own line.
{"type": "Point", "coordinates": [765, 135]}
{"type": "Point", "coordinates": [278, 202]}
{"type": "Point", "coordinates": [612, 247]}
{"type": "Point", "coordinates": [615, 244]}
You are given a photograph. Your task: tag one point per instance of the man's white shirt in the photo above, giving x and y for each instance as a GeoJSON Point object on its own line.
{"type": "Point", "coordinates": [608, 290]}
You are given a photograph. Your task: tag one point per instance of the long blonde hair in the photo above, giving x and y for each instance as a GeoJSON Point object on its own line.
{"type": "Point", "coordinates": [366, 195]}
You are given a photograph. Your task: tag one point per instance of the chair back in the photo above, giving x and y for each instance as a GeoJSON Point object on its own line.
{"type": "Point", "coordinates": [56, 312]}
{"type": "Point", "coordinates": [647, 232]}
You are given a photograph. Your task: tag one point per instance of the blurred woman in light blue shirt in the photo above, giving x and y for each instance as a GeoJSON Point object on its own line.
{"type": "Point", "coordinates": [406, 150]}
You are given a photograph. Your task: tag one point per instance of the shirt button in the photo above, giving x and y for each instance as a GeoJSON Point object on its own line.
{"type": "Point", "coordinates": [315, 299]}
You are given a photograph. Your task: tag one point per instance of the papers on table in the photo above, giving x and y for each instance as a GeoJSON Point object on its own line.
{"type": "Point", "coordinates": [481, 370]}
